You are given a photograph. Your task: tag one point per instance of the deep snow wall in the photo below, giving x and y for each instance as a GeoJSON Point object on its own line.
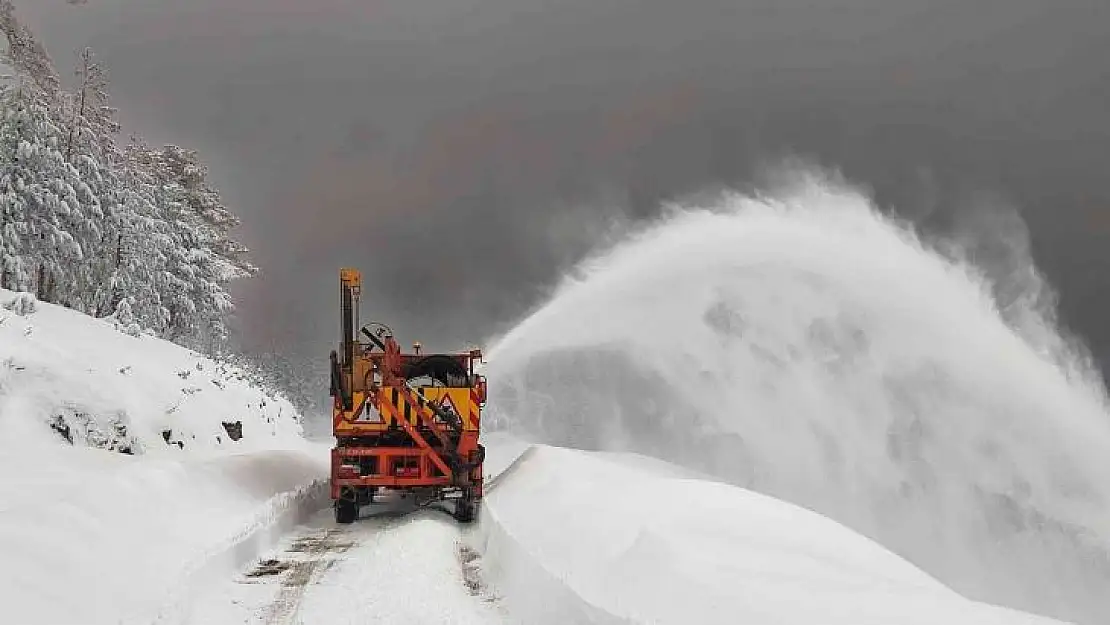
{"type": "Point", "coordinates": [712, 553]}
{"type": "Point", "coordinates": [806, 347]}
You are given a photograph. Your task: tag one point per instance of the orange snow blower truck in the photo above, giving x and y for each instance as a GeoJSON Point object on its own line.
{"type": "Point", "coordinates": [406, 422]}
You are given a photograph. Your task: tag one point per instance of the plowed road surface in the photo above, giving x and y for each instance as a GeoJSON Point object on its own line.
{"type": "Point", "coordinates": [386, 568]}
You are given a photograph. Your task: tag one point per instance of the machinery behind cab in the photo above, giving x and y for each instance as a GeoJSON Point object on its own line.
{"type": "Point", "coordinates": [402, 422]}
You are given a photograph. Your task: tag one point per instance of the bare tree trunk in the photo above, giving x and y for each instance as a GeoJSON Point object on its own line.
{"type": "Point", "coordinates": [80, 111]}
{"type": "Point", "coordinates": [40, 282]}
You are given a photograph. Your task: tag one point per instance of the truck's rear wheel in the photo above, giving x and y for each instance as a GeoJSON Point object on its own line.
{"type": "Point", "coordinates": [466, 508]}
{"type": "Point", "coordinates": [345, 511]}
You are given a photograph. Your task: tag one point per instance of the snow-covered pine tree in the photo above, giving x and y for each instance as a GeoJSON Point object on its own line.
{"type": "Point", "coordinates": [201, 258]}
{"type": "Point", "coordinates": [130, 232]}
{"type": "Point", "coordinates": [214, 220]}
{"type": "Point", "coordinates": [25, 52]}
{"type": "Point", "coordinates": [140, 257]}
{"type": "Point", "coordinates": [91, 146]}
{"type": "Point", "coordinates": [15, 268]}
{"type": "Point", "coordinates": [48, 205]}
{"type": "Point", "coordinates": [93, 120]}
{"type": "Point", "coordinates": [44, 202]}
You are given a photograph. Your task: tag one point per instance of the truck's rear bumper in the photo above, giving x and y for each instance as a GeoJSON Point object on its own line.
{"type": "Point", "coordinates": [394, 467]}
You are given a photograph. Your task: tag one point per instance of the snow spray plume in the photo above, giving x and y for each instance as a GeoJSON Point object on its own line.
{"type": "Point", "coordinates": [806, 347]}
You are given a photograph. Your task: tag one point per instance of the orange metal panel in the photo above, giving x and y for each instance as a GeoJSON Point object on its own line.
{"type": "Point", "coordinates": [392, 482]}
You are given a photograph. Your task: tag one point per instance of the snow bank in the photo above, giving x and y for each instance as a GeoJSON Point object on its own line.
{"type": "Point", "coordinates": [572, 536]}
{"type": "Point", "coordinates": [123, 484]}
{"type": "Point", "coordinates": [94, 537]}
{"type": "Point", "coordinates": [79, 379]}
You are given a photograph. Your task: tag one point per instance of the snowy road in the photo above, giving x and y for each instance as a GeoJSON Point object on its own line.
{"type": "Point", "coordinates": [392, 566]}
{"type": "Point", "coordinates": [386, 568]}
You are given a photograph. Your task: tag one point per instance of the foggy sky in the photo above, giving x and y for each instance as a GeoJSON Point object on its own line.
{"type": "Point", "coordinates": [463, 152]}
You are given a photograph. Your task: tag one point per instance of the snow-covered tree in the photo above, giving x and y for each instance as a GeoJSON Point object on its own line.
{"type": "Point", "coordinates": [198, 255]}
{"type": "Point", "coordinates": [47, 208]}
{"type": "Point", "coordinates": [93, 124]}
{"type": "Point", "coordinates": [48, 201]}
{"type": "Point", "coordinates": [26, 53]}
{"type": "Point", "coordinates": [91, 146]}
{"type": "Point", "coordinates": [133, 233]}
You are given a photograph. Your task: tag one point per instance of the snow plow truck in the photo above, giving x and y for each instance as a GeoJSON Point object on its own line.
{"type": "Point", "coordinates": [404, 422]}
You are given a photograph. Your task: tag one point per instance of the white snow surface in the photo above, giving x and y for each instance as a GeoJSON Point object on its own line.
{"type": "Point", "coordinates": [56, 363]}
{"type": "Point", "coordinates": [92, 535]}
{"type": "Point", "coordinates": [593, 537]}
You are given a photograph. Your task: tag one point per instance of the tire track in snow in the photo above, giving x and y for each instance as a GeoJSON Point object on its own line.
{"type": "Point", "coordinates": [319, 548]}
{"type": "Point", "coordinates": [406, 567]}
{"type": "Point", "coordinates": [325, 547]}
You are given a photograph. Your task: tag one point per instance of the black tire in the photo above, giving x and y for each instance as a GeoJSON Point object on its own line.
{"type": "Point", "coordinates": [466, 509]}
{"type": "Point", "coordinates": [345, 511]}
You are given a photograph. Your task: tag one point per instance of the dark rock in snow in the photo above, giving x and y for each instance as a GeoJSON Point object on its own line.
{"type": "Point", "coordinates": [234, 430]}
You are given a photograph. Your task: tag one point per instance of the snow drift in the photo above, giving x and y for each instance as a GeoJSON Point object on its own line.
{"type": "Point", "coordinates": [93, 537]}
{"type": "Point", "coordinates": [131, 464]}
{"type": "Point", "coordinates": [805, 347]}
{"type": "Point", "coordinates": [637, 541]}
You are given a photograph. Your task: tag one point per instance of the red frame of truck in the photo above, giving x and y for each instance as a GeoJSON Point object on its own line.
{"type": "Point", "coordinates": [412, 443]}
